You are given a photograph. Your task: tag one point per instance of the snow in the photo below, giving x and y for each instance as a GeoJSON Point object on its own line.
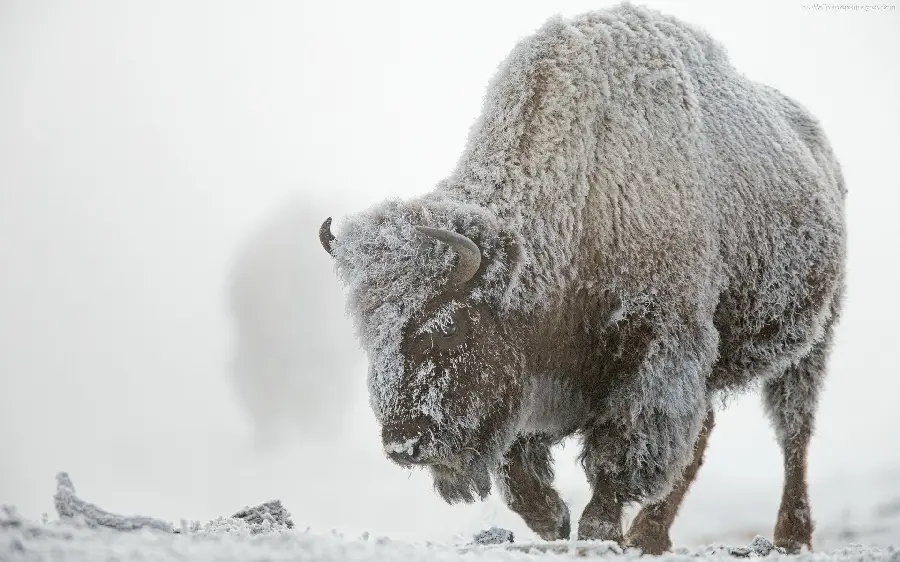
{"type": "Point", "coordinates": [85, 531]}
{"type": "Point", "coordinates": [131, 176]}
{"type": "Point", "coordinates": [225, 540]}
{"type": "Point", "coordinates": [401, 447]}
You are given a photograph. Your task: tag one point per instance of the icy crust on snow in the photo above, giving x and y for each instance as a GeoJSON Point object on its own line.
{"type": "Point", "coordinates": [70, 506]}
{"type": "Point", "coordinates": [86, 532]}
{"type": "Point", "coordinates": [267, 517]}
{"type": "Point", "coordinates": [391, 270]}
{"type": "Point", "coordinates": [23, 539]}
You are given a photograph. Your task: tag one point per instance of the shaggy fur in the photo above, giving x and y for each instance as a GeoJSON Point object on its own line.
{"type": "Point", "coordinates": [655, 228]}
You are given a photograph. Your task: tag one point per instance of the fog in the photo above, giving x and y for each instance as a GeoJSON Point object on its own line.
{"type": "Point", "coordinates": [145, 146]}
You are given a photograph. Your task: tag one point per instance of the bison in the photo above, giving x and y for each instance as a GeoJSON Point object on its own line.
{"type": "Point", "coordinates": [633, 230]}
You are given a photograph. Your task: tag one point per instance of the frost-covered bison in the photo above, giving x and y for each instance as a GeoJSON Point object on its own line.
{"type": "Point", "coordinates": [633, 228]}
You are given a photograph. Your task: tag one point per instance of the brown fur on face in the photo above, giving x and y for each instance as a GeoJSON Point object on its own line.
{"type": "Point", "coordinates": [461, 394]}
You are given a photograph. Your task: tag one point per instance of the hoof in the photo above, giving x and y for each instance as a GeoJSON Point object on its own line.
{"type": "Point", "coordinates": [565, 527]}
{"type": "Point", "coordinates": [650, 537]}
{"type": "Point", "coordinates": [650, 544]}
{"type": "Point", "coordinates": [792, 546]}
{"type": "Point", "coordinates": [549, 524]}
{"type": "Point", "coordinates": [591, 529]}
{"type": "Point", "coordinates": [558, 529]}
{"type": "Point", "coordinates": [793, 531]}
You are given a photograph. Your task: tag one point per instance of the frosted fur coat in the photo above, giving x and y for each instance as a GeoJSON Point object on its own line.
{"type": "Point", "coordinates": [629, 163]}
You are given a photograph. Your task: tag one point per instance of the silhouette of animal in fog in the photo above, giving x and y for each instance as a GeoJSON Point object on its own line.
{"type": "Point", "coordinates": [632, 229]}
{"type": "Point", "coordinates": [285, 337]}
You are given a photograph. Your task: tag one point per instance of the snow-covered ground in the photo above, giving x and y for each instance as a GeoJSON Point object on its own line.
{"type": "Point", "coordinates": [35, 543]}
{"type": "Point", "coordinates": [85, 531]}
{"type": "Point", "coordinates": [226, 543]}
{"type": "Point", "coordinates": [142, 143]}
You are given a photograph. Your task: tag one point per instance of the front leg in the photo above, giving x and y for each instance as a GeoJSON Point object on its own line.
{"type": "Point", "coordinates": [525, 477]}
{"type": "Point", "coordinates": [601, 519]}
{"type": "Point", "coordinates": [625, 464]}
{"type": "Point", "coordinates": [649, 421]}
{"type": "Point", "coordinates": [650, 529]}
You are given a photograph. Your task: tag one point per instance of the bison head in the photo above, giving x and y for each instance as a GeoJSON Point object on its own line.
{"type": "Point", "coordinates": [431, 286]}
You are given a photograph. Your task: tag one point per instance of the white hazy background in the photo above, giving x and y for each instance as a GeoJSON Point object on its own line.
{"type": "Point", "coordinates": [144, 146]}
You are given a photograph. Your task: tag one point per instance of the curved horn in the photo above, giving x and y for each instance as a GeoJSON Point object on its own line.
{"type": "Point", "coordinates": [325, 235]}
{"type": "Point", "coordinates": [469, 253]}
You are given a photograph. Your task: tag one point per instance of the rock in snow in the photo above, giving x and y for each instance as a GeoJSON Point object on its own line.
{"type": "Point", "coordinates": [494, 535]}
{"type": "Point", "coordinates": [70, 506]}
{"type": "Point", "coordinates": [271, 513]}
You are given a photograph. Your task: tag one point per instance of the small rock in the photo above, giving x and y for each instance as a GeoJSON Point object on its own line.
{"type": "Point", "coordinates": [266, 516]}
{"type": "Point", "coordinates": [761, 546]}
{"type": "Point", "coordinates": [740, 551]}
{"type": "Point", "coordinates": [494, 535]}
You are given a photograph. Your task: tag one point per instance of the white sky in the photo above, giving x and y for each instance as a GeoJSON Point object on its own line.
{"type": "Point", "coordinates": [141, 143]}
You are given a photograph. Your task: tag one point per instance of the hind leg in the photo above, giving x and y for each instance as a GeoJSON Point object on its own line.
{"type": "Point", "coordinates": [526, 479]}
{"type": "Point", "coordinates": [790, 402]}
{"type": "Point", "coordinates": [650, 529]}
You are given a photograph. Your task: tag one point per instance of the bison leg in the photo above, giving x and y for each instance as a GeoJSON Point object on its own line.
{"type": "Point", "coordinates": [602, 517]}
{"type": "Point", "coordinates": [526, 478]}
{"type": "Point", "coordinates": [650, 529]}
{"type": "Point", "coordinates": [651, 419]}
{"type": "Point", "coordinates": [791, 401]}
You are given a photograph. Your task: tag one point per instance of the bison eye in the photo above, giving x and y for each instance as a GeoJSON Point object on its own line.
{"type": "Point", "coordinates": [446, 331]}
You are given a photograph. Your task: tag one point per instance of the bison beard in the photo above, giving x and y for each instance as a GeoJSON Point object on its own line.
{"type": "Point", "coordinates": [633, 230]}
{"type": "Point", "coordinates": [471, 483]}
